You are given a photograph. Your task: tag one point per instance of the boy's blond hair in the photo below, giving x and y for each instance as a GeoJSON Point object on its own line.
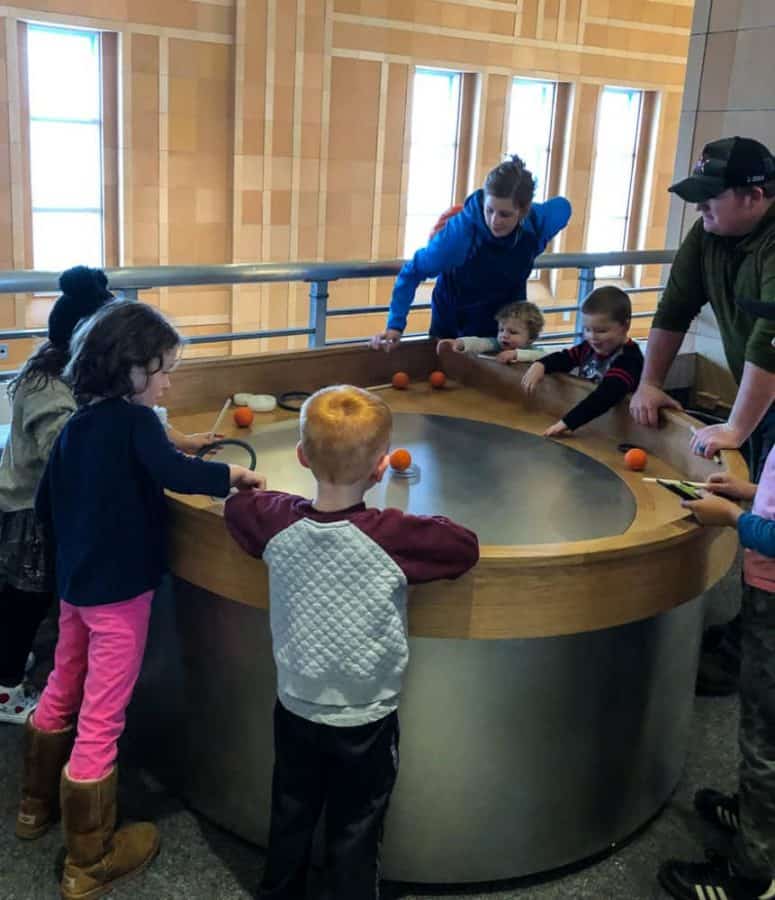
{"type": "Point", "coordinates": [523, 311]}
{"type": "Point", "coordinates": [344, 429]}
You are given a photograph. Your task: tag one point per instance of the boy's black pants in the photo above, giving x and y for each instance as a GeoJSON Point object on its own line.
{"type": "Point", "coordinates": [350, 771]}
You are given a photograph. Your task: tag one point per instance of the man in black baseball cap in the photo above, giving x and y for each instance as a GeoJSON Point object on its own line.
{"type": "Point", "coordinates": [728, 163]}
{"type": "Point", "coordinates": [728, 254]}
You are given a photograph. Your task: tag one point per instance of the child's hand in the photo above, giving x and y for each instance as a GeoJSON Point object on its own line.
{"type": "Point", "coordinates": [713, 510]}
{"type": "Point", "coordinates": [193, 443]}
{"type": "Point", "coordinates": [559, 429]}
{"type": "Point", "coordinates": [506, 356]}
{"type": "Point", "coordinates": [244, 479]}
{"type": "Point", "coordinates": [728, 486]}
{"type": "Point", "coordinates": [533, 377]}
{"type": "Point", "coordinates": [456, 344]}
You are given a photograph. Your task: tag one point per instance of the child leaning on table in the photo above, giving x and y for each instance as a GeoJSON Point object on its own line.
{"type": "Point", "coordinates": [749, 815]}
{"type": "Point", "coordinates": [338, 578]}
{"type": "Point", "coordinates": [606, 356]}
{"type": "Point", "coordinates": [519, 324]}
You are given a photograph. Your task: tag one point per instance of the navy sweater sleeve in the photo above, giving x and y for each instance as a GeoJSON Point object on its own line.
{"type": "Point", "coordinates": [757, 533]}
{"type": "Point", "coordinates": [168, 467]}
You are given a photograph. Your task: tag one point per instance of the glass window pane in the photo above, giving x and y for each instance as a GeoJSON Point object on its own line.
{"type": "Point", "coordinates": [61, 240]}
{"type": "Point", "coordinates": [616, 144]}
{"type": "Point", "coordinates": [531, 119]}
{"type": "Point", "coordinates": [65, 165]}
{"type": "Point", "coordinates": [64, 73]}
{"type": "Point", "coordinates": [433, 153]}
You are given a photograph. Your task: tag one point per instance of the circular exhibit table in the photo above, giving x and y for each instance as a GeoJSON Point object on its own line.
{"type": "Point", "coordinates": [546, 708]}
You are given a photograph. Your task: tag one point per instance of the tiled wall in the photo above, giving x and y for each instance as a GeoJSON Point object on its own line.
{"type": "Point", "coordinates": [275, 130]}
{"type": "Point", "coordinates": [729, 90]}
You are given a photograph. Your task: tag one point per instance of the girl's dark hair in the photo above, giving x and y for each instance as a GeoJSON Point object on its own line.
{"type": "Point", "coordinates": [511, 179]}
{"type": "Point", "coordinates": [104, 349]}
{"type": "Point", "coordinates": [46, 362]}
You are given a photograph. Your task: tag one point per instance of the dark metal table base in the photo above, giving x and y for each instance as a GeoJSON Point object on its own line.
{"type": "Point", "coordinates": [517, 756]}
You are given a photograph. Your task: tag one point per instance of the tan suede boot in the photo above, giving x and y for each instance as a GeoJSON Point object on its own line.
{"type": "Point", "coordinates": [98, 856]}
{"type": "Point", "coordinates": [45, 752]}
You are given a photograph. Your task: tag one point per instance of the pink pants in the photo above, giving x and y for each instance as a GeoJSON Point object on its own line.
{"type": "Point", "coordinates": [96, 664]}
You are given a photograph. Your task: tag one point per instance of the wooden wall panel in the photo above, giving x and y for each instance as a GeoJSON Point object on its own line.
{"type": "Point", "coordinates": [274, 130]}
{"type": "Point", "coordinates": [353, 127]}
{"type": "Point", "coordinates": [200, 137]}
{"type": "Point", "coordinates": [145, 153]}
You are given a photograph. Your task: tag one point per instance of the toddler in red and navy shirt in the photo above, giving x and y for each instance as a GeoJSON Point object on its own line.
{"type": "Point", "coordinates": [606, 357]}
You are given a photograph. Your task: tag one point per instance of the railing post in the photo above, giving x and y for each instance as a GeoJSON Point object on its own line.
{"type": "Point", "coordinates": [585, 286]}
{"type": "Point", "coordinates": [318, 308]}
{"type": "Point", "coordinates": [129, 293]}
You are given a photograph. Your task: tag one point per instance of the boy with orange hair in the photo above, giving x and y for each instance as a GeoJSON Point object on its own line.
{"type": "Point", "coordinates": [338, 578]}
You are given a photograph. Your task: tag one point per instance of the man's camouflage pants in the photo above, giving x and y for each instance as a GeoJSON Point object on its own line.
{"type": "Point", "coordinates": [755, 844]}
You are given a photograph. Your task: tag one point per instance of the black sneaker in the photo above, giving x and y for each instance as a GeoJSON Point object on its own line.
{"type": "Point", "coordinates": [712, 880]}
{"type": "Point", "coordinates": [721, 810]}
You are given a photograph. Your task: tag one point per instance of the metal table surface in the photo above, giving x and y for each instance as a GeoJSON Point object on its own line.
{"type": "Point", "coordinates": [509, 486]}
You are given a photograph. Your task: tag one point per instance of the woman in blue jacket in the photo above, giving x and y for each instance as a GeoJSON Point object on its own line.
{"type": "Point", "coordinates": [482, 257]}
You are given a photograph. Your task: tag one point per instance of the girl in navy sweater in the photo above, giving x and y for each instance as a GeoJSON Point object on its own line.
{"type": "Point", "coordinates": [102, 498]}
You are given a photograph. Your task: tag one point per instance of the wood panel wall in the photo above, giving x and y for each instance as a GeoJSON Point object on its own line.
{"type": "Point", "coordinates": [276, 130]}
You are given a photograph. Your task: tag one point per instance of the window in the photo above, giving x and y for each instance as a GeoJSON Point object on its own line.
{"type": "Point", "coordinates": [433, 152]}
{"type": "Point", "coordinates": [64, 81]}
{"type": "Point", "coordinates": [531, 125]}
{"type": "Point", "coordinates": [616, 145]}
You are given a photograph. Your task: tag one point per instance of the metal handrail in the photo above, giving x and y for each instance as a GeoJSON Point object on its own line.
{"type": "Point", "coordinates": [130, 280]}
{"type": "Point", "coordinates": [147, 277]}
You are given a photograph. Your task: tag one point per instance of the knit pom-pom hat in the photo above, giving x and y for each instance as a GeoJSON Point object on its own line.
{"type": "Point", "coordinates": [84, 291]}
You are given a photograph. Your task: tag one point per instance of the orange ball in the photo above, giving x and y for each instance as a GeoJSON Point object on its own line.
{"type": "Point", "coordinates": [437, 379]}
{"type": "Point", "coordinates": [400, 381]}
{"type": "Point", "coordinates": [400, 459]}
{"type": "Point", "coordinates": [636, 459]}
{"type": "Point", "coordinates": [243, 416]}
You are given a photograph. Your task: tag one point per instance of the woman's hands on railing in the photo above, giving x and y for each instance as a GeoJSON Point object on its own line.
{"type": "Point", "coordinates": [386, 340]}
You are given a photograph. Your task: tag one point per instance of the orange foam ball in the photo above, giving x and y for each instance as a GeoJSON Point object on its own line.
{"type": "Point", "coordinates": [400, 459]}
{"type": "Point", "coordinates": [243, 416]}
{"type": "Point", "coordinates": [437, 379]}
{"type": "Point", "coordinates": [400, 381]}
{"type": "Point", "coordinates": [636, 459]}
